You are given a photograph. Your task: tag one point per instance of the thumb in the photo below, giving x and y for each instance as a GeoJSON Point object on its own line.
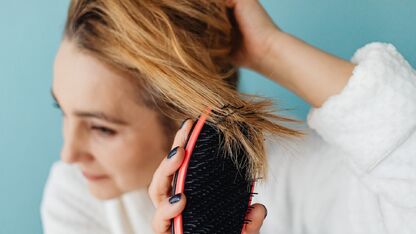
{"type": "Point", "coordinates": [257, 216]}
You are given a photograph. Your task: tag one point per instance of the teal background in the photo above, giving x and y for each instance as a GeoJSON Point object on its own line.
{"type": "Point", "coordinates": [30, 137]}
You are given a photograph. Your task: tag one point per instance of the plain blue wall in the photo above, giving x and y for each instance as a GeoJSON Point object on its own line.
{"type": "Point", "coordinates": [30, 136]}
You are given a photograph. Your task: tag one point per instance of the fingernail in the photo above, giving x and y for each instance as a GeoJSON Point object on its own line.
{"type": "Point", "coordinates": [183, 122]}
{"type": "Point", "coordinates": [173, 152]}
{"type": "Point", "coordinates": [175, 198]}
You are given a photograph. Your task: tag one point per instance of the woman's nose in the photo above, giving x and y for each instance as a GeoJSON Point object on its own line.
{"type": "Point", "coordinates": [73, 149]}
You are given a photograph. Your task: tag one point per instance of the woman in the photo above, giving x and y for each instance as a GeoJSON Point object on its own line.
{"type": "Point", "coordinates": [126, 72]}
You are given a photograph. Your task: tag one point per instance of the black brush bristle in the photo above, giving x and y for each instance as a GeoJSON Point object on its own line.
{"type": "Point", "coordinates": [217, 192]}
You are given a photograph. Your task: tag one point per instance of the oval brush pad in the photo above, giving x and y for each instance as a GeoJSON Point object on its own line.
{"type": "Point", "coordinates": [218, 192]}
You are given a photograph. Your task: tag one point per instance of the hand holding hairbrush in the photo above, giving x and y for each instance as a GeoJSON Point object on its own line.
{"type": "Point", "coordinates": [197, 190]}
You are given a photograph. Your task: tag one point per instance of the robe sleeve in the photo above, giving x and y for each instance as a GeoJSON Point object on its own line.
{"type": "Point", "coordinates": [373, 119]}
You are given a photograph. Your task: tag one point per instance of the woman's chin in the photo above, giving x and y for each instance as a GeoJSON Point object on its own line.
{"type": "Point", "coordinates": [108, 189]}
{"type": "Point", "coordinates": [103, 191]}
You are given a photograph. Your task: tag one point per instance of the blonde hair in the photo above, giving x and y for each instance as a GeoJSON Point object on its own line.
{"type": "Point", "coordinates": [179, 53]}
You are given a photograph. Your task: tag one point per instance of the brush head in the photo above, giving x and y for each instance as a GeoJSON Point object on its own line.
{"type": "Point", "coordinates": [218, 191]}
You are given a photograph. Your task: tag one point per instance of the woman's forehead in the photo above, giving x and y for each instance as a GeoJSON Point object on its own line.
{"type": "Point", "coordinates": [82, 80]}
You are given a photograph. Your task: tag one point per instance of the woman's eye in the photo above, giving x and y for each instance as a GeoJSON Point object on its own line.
{"type": "Point", "coordinates": [104, 130]}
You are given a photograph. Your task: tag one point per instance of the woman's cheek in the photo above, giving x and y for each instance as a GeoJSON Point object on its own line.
{"type": "Point", "coordinates": [126, 165]}
{"type": "Point", "coordinates": [129, 159]}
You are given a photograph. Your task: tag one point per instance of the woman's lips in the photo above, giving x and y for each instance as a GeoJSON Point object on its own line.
{"type": "Point", "coordinates": [94, 177]}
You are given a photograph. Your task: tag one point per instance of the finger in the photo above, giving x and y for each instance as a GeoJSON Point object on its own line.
{"type": "Point", "coordinates": [168, 209]}
{"type": "Point", "coordinates": [182, 134]}
{"type": "Point", "coordinates": [257, 216]}
{"type": "Point", "coordinates": [160, 186]}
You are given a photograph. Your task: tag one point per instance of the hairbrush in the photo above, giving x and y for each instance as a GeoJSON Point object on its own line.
{"type": "Point", "coordinates": [218, 192]}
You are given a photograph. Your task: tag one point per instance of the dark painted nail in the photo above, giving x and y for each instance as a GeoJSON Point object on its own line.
{"type": "Point", "coordinates": [175, 198]}
{"type": "Point", "coordinates": [173, 152]}
{"type": "Point", "coordinates": [183, 122]}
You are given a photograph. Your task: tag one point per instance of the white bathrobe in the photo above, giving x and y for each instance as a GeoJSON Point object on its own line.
{"type": "Point", "coordinates": [354, 172]}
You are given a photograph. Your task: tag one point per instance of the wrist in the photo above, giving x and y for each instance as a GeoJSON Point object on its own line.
{"type": "Point", "coordinates": [270, 56]}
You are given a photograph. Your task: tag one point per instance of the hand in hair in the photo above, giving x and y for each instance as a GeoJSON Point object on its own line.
{"type": "Point", "coordinates": [256, 29]}
{"type": "Point", "coordinates": [312, 74]}
{"type": "Point", "coordinates": [168, 207]}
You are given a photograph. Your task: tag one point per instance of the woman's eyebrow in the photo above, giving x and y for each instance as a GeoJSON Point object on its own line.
{"type": "Point", "coordinates": [100, 115]}
{"type": "Point", "coordinates": [94, 114]}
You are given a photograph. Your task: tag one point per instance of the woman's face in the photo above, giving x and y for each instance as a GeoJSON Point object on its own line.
{"type": "Point", "coordinates": [116, 142]}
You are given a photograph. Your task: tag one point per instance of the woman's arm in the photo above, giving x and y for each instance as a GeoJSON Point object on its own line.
{"type": "Point", "coordinates": [305, 70]}
{"type": "Point", "coordinates": [312, 74]}
{"type": "Point", "coordinates": [366, 107]}
{"type": "Point", "coordinates": [373, 120]}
